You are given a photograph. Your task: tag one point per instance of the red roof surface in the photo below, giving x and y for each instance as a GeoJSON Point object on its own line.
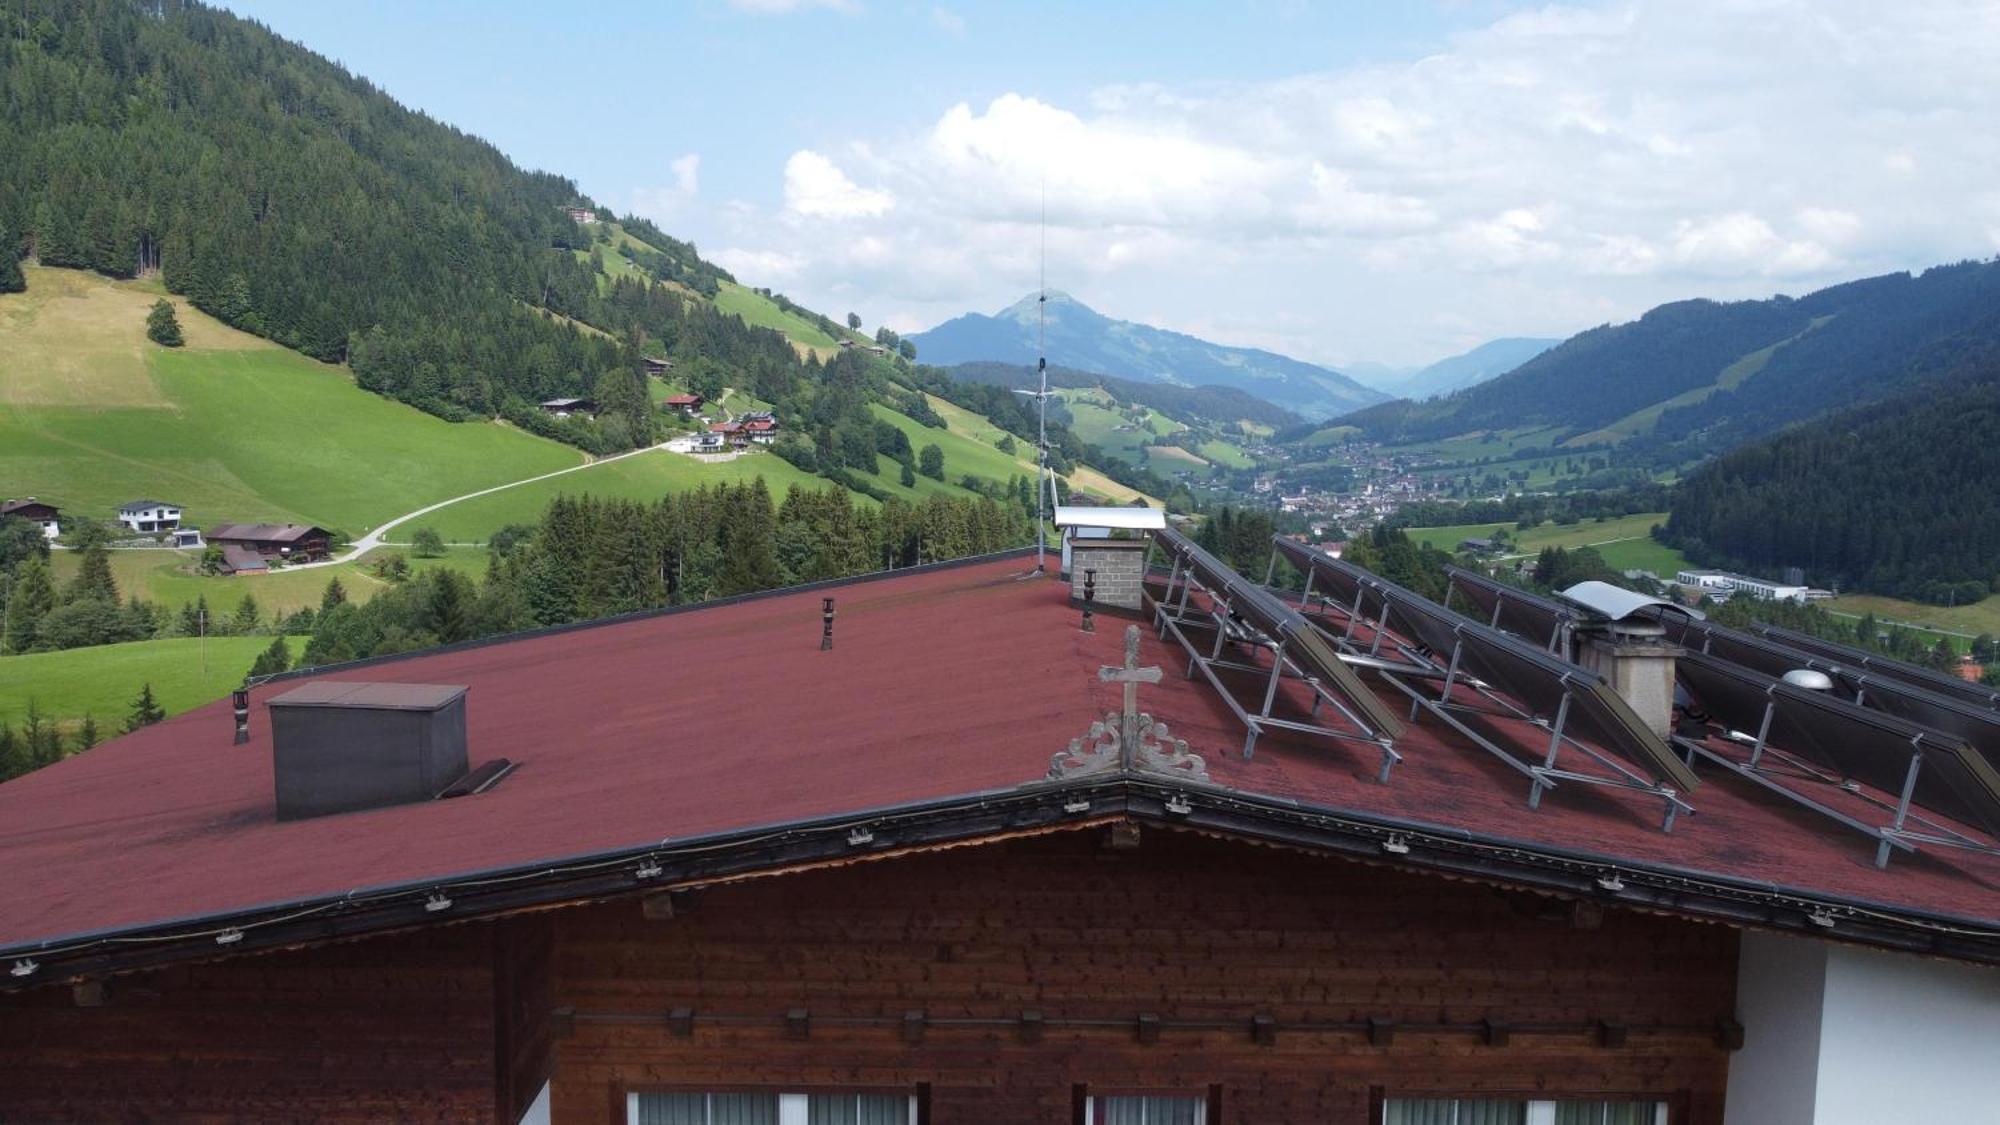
{"type": "Point", "coordinates": [684, 400]}
{"type": "Point", "coordinates": [943, 683]}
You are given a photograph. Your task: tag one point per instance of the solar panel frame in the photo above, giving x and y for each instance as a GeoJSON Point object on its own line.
{"type": "Point", "coordinates": [1527, 615]}
{"type": "Point", "coordinates": [1548, 684]}
{"type": "Point", "coordinates": [1917, 766]}
{"type": "Point", "coordinates": [1915, 675]}
{"type": "Point", "coordinates": [1293, 639]}
{"type": "Point", "coordinates": [1977, 725]}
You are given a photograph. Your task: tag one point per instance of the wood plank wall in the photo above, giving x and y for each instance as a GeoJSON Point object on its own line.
{"type": "Point", "coordinates": [1181, 927]}
{"type": "Point", "coordinates": [392, 1029]}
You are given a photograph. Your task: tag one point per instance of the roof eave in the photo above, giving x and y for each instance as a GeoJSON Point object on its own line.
{"type": "Point", "coordinates": [986, 817]}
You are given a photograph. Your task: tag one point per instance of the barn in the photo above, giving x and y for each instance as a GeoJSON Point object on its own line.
{"type": "Point", "coordinates": [1226, 854]}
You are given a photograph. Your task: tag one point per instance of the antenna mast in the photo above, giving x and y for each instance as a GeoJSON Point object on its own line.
{"type": "Point", "coordinates": [1044, 484]}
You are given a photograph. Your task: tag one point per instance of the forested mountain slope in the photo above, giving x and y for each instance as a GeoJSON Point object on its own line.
{"type": "Point", "coordinates": [293, 200]}
{"type": "Point", "coordinates": [1188, 404]}
{"type": "Point", "coordinates": [1695, 377]}
{"type": "Point", "coordinates": [1082, 338]}
{"type": "Point", "coordinates": [1901, 497]}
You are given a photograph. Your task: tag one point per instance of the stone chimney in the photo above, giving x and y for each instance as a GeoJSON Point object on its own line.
{"type": "Point", "coordinates": [1636, 659]}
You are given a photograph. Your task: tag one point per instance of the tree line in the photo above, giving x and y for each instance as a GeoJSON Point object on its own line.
{"type": "Point", "coordinates": [588, 558]}
{"type": "Point", "coordinates": [1901, 499]}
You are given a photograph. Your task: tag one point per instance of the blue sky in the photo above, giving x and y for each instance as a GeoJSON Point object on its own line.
{"type": "Point", "coordinates": [1392, 182]}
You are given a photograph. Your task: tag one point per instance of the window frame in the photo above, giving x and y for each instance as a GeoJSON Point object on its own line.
{"type": "Point", "coordinates": [793, 1098]}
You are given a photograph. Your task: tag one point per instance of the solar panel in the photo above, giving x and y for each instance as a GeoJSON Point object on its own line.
{"type": "Point", "coordinates": [1977, 725]}
{"type": "Point", "coordinates": [1545, 622]}
{"type": "Point", "coordinates": [1568, 699]}
{"type": "Point", "coordinates": [1244, 616]}
{"type": "Point", "coordinates": [1819, 740]}
{"type": "Point", "coordinates": [1911, 674]}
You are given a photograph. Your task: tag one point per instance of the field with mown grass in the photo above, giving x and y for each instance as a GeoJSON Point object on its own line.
{"type": "Point", "coordinates": [230, 427]}
{"type": "Point", "coordinates": [1626, 542]}
{"type": "Point", "coordinates": [101, 682]}
{"type": "Point", "coordinates": [172, 578]}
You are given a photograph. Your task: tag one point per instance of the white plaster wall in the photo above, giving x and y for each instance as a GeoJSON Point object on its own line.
{"type": "Point", "coordinates": [1904, 1039]}
{"type": "Point", "coordinates": [1837, 1035]}
{"type": "Point", "coordinates": [1780, 986]}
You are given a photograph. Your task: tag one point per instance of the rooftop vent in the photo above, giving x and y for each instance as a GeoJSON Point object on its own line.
{"type": "Point", "coordinates": [341, 746]}
{"type": "Point", "coordinates": [1809, 679]}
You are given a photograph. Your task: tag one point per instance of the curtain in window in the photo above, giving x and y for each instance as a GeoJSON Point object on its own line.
{"type": "Point", "coordinates": [743, 1109]}
{"type": "Point", "coordinates": [1492, 1113]}
{"type": "Point", "coordinates": [1454, 1111]}
{"type": "Point", "coordinates": [857, 1109]}
{"type": "Point", "coordinates": [1420, 1111]}
{"type": "Point", "coordinates": [1605, 1113]}
{"type": "Point", "coordinates": [1148, 1111]}
{"type": "Point", "coordinates": [673, 1109]}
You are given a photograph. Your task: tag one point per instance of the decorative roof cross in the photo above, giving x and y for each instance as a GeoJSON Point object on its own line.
{"type": "Point", "coordinates": [1131, 675]}
{"type": "Point", "coordinates": [1128, 739]}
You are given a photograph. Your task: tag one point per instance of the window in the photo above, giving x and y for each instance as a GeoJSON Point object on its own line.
{"type": "Point", "coordinates": [759, 1108]}
{"type": "Point", "coordinates": [1500, 1111]}
{"type": "Point", "coordinates": [1147, 1110]}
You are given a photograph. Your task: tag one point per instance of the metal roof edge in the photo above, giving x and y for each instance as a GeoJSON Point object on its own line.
{"type": "Point", "coordinates": [1033, 807]}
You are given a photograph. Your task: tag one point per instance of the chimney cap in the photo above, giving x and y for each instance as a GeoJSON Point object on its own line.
{"type": "Point", "coordinates": [1615, 603]}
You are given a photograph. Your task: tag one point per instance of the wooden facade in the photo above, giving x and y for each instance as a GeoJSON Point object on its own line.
{"type": "Point", "coordinates": [997, 983]}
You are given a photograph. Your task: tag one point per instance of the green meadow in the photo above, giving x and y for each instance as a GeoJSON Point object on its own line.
{"type": "Point", "coordinates": [102, 682]}
{"type": "Point", "coordinates": [249, 432]}
{"type": "Point", "coordinates": [1626, 543]}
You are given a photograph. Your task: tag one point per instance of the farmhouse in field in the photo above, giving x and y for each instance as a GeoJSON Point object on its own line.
{"type": "Point", "coordinates": [732, 432]}
{"type": "Point", "coordinates": [150, 516]}
{"type": "Point", "coordinates": [47, 516]}
{"type": "Point", "coordinates": [247, 548]}
{"type": "Point", "coordinates": [657, 368]}
{"type": "Point", "coordinates": [564, 407]}
{"type": "Point", "coordinates": [1378, 863]}
{"type": "Point", "coordinates": [760, 427]}
{"type": "Point", "coordinates": [689, 404]}
{"type": "Point", "coordinates": [582, 215]}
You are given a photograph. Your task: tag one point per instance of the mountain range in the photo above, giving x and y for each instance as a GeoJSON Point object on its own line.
{"type": "Point", "coordinates": [1452, 373]}
{"type": "Point", "coordinates": [1081, 338]}
{"type": "Point", "coordinates": [1694, 378]}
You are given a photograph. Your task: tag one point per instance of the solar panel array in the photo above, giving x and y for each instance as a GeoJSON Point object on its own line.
{"type": "Point", "coordinates": [1548, 686]}
{"type": "Point", "coordinates": [1922, 741]}
{"type": "Point", "coordinates": [1514, 610]}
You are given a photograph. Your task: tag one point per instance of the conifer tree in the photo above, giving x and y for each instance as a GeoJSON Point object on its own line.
{"type": "Point", "coordinates": [145, 710]}
{"type": "Point", "coordinates": [11, 278]}
{"type": "Point", "coordinates": [87, 735]}
{"type": "Point", "coordinates": [162, 326]}
{"type": "Point", "coordinates": [93, 581]}
{"type": "Point", "coordinates": [32, 597]}
{"type": "Point", "coordinates": [248, 615]}
{"type": "Point", "coordinates": [273, 660]}
{"type": "Point", "coordinates": [334, 595]}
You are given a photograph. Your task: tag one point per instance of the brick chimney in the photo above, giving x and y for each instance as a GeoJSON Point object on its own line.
{"type": "Point", "coordinates": [1636, 659]}
{"type": "Point", "coordinates": [1120, 566]}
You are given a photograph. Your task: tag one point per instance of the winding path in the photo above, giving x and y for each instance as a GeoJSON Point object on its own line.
{"type": "Point", "coordinates": [373, 539]}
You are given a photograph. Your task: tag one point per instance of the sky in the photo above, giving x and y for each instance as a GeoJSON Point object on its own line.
{"type": "Point", "coordinates": [1341, 182]}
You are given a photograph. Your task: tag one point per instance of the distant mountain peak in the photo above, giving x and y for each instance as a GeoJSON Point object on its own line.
{"type": "Point", "coordinates": [1085, 339]}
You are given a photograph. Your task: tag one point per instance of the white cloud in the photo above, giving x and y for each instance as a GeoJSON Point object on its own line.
{"type": "Point", "coordinates": [1557, 168]}
{"type": "Point", "coordinates": [948, 21]}
{"type": "Point", "coordinates": [816, 187]}
{"type": "Point", "coordinates": [687, 174]}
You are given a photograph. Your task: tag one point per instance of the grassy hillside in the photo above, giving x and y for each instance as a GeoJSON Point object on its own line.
{"type": "Point", "coordinates": [172, 578]}
{"type": "Point", "coordinates": [759, 310]}
{"type": "Point", "coordinates": [1626, 543]}
{"type": "Point", "coordinates": [103, 681]}
{"type": "Point", "coordinates": [231, 427]}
